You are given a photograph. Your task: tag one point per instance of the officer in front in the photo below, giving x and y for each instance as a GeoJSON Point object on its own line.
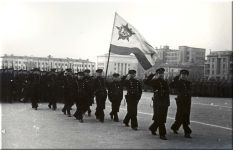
{"type": "Point", "coordinates": [134, 93]}
{"type": "Point", "coordinates": [161, 101]}
{"type": "Point", "coordinates": [183, 102]}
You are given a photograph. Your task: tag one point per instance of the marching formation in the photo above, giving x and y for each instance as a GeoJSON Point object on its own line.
{"type": "Point", "coordinates": [82, 89]}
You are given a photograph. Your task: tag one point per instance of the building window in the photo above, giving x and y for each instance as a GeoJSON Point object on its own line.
{"type": "Point", "coordinates": [224, 59]}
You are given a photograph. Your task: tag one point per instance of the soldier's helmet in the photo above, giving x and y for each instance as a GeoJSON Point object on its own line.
{"type": "Point", "coordinates": [160, 71]}
{"type": "Point", "coordinates": [132, 72]}
{"type": "Point", "coordinates": [35, 69]}
{"type": "Point", "coordinates": [87, 71]}
{"type": "Point", "coordinates": [80, 73]}
{"type": "Point", "coordinates": [68, 70]}
{"type": "Point", "coordinates": [99, 70]}
{"type": "Point", "coordinates": [53, 70]}
{"type": "Point", "coordinates": [186, 72]}
{"type": "Point", "coordinates": [115, 74]}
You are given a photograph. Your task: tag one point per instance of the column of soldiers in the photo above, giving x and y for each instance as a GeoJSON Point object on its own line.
{"type": "Point", "coordinates": [81, 89]}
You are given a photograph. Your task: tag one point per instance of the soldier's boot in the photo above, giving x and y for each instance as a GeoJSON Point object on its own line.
{"type": "Point", "coordinates": [49, 105]}
{"type": "Point", "coordinates": [153, 132]}
{"type": "Point", "coordinates": [116, 119]}
{"type": "Point", "coordinates": [101, 116]}
{"type": "Point", "coordinates": [163, 137]}
{"type": "Point", "coordinates": [97, 115]}
{"type": "Point", "coordinates": [126, 123]}
{"type": "Point", "coordinates": [81, 118]}
{"type": "Point", "coordinates": [111, 115]}
{"type": "Point", "coordinates": [54, 106]}
{"type": "Point", "coordinates": [135, 128]}
{"type": "Point", "coordinates": [89, 112]}
{"type": "Point", "coordinates": [174, 129]}
{"type": "Point", "coordinates": [187, 135]}
{"type": "Point", "coordinates": [68, 112]}
{"type": "Point", "coordinates": [64, 110]}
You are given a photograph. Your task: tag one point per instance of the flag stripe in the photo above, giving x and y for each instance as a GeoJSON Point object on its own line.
{"type": "Point", "coordinates": [120, 50]}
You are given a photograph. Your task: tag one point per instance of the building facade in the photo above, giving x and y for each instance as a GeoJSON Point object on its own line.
{"type": "Point", "coordinates": [45, 63]}
{"type": "Point", "coordinates": [184, 55]}
{"type": "Point", "coordinates": [219, 65]}
{"type": "Point", "coordinates": [173, 61]}
{"type": "Point", "coordinates": [117, 63]}
{"type": "Point", "coordinates": [192, 55]}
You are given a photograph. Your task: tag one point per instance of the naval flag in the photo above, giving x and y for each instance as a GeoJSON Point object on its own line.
{"type": "Point", "coordinates": [126, 40]}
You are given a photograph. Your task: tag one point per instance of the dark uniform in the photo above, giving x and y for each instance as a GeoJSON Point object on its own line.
{"type": "Point", "coordinates": [52, 89]}
{"type": "Point", "coordinates": [69, 86]}
{"type": "Point", "coordinates": [161, 102]}
{"type": "Point", "coordinates": [183, 102]}
{"type": "Point", "coordinates": [26, 87]}
{"type": "Point", "coordinates": [60, 85]}
{"type": "Point", "coordinates": [115, 95]}
{"type": "Point", "coordinates": [35, 87]}
{"type": "Point", "coordinates": [134, 92]}
{"type": "Point", "coordinates": [100, 95]}
{"type": "Point", "coordinates": [82, 96]}
{"type": "Point", "coordinates": [89, 80]}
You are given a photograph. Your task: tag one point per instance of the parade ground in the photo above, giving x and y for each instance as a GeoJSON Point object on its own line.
{"type": "Point", "coordinates": [26, 128]}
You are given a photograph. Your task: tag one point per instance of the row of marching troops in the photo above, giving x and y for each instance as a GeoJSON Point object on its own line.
{"type": "Point", "coordinates": [81, 89]}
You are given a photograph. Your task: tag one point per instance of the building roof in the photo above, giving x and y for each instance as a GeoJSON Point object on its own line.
{"type": "Point", "coordinates": [47, 58]}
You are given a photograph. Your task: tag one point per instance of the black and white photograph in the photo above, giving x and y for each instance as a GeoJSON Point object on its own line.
{"type": "Point", "coordinates": [116, 74]}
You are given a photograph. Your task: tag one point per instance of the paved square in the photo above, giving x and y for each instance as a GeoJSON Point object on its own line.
{"type": "Point", "coordinates": [23, 127]}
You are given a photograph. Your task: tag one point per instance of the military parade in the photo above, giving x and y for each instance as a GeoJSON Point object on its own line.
{"type": "Point", "coordinates": [81, 89]}
{"type": "Point", "coordinates": [78, 75]}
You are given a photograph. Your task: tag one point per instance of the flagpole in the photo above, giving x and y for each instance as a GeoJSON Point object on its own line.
{"type": "Point", "coordinates": [110, 47]}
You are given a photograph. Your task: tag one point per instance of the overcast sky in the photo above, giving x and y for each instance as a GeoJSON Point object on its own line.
{"type": "Point", "coordinates": [79, 29]}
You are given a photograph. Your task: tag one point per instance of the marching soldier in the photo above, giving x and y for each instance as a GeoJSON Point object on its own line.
{"type": "Point", "coordinates": [35, 87]}
{"type": "Point", "coordinates": [88, 79]}
{"type": "Point", "coordinates": [82, 96]}
{"type": "Point", "coordinates": [60, 85]}
{"type": "Point", "coordinates": [183, 102]}
{"type": "Point", "coordinates": [69, 86]}
{"type": "Point", "coordinates": [100, 94]}
{"type": "Point", "coordinates": [115, 95]}
{"type": "Point", "coordinates": [52, 89]}
{"type": "Point", "coordinates": [161, 102]}
{"type": "Point", "coordinates": [134, 92]}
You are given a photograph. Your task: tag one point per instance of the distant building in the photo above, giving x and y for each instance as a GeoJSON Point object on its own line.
{"type": "Point", "coordinates": [219, 65]}
{"type": "Point", "coordinates": [167, 55]}
{"type": "Point", "coordinates": [192, 55]}
{"type": "Point", "coordinates": [173, 61]}
{"type": "Point", "coordinates": [117, 63]}
{"type": "Point", "coordinates": [45, 63]}
{"type": "Point", "coordinates": [184, 55]}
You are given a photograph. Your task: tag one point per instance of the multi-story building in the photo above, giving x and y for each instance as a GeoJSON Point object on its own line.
{"type": "Point", "coordinates": [219, 65]}
{"type": "Point", "coordinates": [167, 55]}
{"type": "Point", "coordinates": [117, 63]}
{"type": "Point", "coordinates": [185, 58]}
{"type": "Point", "coordinates": [192, 55]}
{"type": "Point", "coordinates": [46, 63]}
{"type": "Point", "coordinates": [184, 55]}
